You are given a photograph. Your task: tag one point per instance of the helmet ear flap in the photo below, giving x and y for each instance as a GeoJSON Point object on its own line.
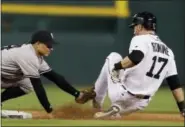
{"type": "Point", "coordinates": [154, 26]}
{"type": "Point", "coordinates": [150, 23]}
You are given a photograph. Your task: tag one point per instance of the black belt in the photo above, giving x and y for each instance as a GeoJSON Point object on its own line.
{"type": "Point", "coordinates": [137, 95]}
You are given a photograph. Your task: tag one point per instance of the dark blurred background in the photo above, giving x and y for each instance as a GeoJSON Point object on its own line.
{"type": "Point", "coordinates": [88, 30]}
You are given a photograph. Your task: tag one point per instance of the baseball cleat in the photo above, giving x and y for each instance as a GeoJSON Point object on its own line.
{"type": "Point", "coordinates": [110, 112]}
{"type": "Point", "coordinates": [116, 116]}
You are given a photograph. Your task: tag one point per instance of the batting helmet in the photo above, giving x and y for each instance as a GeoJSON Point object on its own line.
{"type": "Point", "coordinates": [146, 19]}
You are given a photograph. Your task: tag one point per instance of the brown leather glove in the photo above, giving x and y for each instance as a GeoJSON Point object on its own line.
{"type": "Point", "coordinates": [85, 96]}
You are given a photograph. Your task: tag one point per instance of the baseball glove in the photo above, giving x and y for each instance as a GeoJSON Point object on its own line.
{"type": "Point", "coordinates": [85, 96]}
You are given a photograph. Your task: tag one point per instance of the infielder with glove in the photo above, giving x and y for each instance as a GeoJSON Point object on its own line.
{"type": "Point", "coordinates": [22, 66]}
{"type": "Point", "coordinates": [132, 81]}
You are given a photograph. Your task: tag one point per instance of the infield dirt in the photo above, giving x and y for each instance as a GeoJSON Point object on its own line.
{"type": "Point", "coordinates": [76, 112]}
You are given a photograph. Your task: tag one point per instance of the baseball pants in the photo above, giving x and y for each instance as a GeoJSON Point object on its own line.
{"type": "Point", "coordinates": [118, 95]}
{"type": "Point", "coordinates": [24, 84]}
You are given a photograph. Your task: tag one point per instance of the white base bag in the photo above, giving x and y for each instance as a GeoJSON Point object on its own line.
{"type": "Point", "coordinates": [13, 114]}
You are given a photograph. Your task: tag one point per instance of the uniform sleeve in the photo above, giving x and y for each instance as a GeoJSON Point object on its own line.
{"type": "Point", "coordinates": [138, 43]}
{"type": "Point", "coordinates": [44, 67]}
{"type": "Point", "coordinates": [172, 69]}
{"type": "Point", "coordinates": [28, 66]}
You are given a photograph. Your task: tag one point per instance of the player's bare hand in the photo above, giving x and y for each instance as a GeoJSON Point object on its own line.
{"type": "Point", "coordinates": [115, 76]}
{"type": "Point", "coordinates": [78, 99]}
{"type": "Point", "coordinates": [50, 116]}
{"type": "Point", "coordinates": [183, 113]}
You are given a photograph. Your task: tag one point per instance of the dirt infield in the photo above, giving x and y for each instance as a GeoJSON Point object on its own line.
{"type": "Point", "coordinates": [75, 112]}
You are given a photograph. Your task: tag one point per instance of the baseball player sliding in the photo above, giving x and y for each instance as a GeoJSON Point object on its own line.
{"type": "Point", "coordinates": [133, 80]}
{"type": "Point", "coordinates": [23, 65]}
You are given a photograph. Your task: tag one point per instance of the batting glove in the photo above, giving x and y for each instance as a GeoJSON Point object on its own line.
{"type": "Point", "coordinates": [115, 76]}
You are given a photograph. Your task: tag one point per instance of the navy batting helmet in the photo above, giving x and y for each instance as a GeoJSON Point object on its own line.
{"type": "Point", "coordinates": [146, 19]}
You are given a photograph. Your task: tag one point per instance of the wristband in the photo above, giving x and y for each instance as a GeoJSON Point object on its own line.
{"type": "Point", "coordinates": [49, 110]}
{"type": "Point", "coordinates": [77, 94]}
{"type": "Point", "coordinates": [181, 106]}
{"type": "Point", "coordinates": [118, 66]}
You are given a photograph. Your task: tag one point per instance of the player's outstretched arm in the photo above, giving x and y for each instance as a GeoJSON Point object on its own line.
{"type": "Point", "coordinates": [80, 96]}
{"type": "Point", "coordinates": [129, 61]}
{"type": "Point", "coordinates": [41, 94]}
{"type": "Point", "coordinates": [174, 84]}
{"type": "Point", "coordinates": [61, 82]}
{"type": "Point", "coordinates": [179, 97]}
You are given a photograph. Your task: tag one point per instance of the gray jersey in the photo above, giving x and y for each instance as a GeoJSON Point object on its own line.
{"type": "Point", "coordinates": [22, 62]}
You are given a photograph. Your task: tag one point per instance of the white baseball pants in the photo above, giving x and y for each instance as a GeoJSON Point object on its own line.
{"type": "Point", "coordinates": [118, 95]}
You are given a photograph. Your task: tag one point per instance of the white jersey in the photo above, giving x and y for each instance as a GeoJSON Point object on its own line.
{"type": "Point", "coordinates": [21, 62]}
{"type": "Point", "coordinates": [158, 63]}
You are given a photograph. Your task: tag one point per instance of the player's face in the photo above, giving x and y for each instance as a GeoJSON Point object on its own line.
{"type": "Point", "coordinates": [43, 49]}
{"type": "Point", "coordinates": [137, 29]}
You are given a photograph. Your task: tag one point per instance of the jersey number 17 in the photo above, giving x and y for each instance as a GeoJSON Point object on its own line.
{"type": "Point", "coordinates": [155, 61]}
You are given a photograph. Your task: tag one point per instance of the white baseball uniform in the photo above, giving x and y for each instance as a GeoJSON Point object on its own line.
{"type": "Point", "coordinates": [143, 79]}
{"type": "Point", "coordinates": [18, 64]}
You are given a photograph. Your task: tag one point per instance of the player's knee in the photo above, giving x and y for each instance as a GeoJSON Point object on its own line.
{"type": "Point", "coordinates": [114, 56]}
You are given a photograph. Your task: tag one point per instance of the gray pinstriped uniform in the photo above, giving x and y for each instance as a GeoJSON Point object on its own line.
{"type": "Point", "coordinates": [18, 64]}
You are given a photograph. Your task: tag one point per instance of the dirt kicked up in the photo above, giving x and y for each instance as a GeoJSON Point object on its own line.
{"type": "Point", "coordinates": [77, 113]}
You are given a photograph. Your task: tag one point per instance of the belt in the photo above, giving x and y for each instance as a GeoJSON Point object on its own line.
{"type": "Point", "coordinates": [140, 96]}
